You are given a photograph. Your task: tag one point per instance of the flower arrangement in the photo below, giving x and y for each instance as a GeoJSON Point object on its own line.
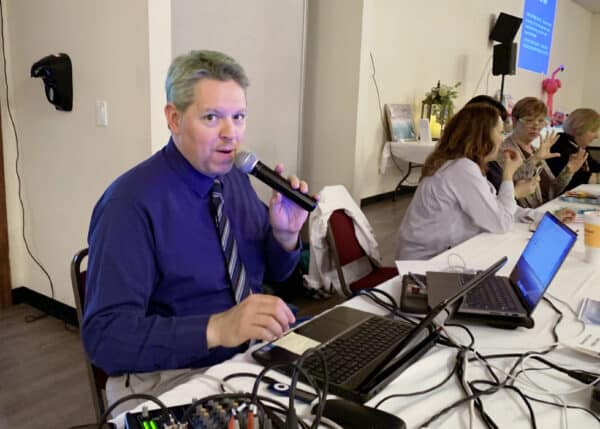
{"type": "Point", "coordinates": [443, 95]}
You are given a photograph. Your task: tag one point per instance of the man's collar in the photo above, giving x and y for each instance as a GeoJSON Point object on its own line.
{"type": "Point", "coordinates": [199, 183]}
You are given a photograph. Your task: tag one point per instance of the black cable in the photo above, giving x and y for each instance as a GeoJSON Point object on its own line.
{"type": "Point", "coordinates": [381, 114]}
{"type": "Point", "coordinates": [243, 374]}
{"type": "Point", "coordinates": [573, 407]}
{"type": "Point", "coordinates": [165, 411]}
{"type": "Point", "coordinates": [420, 392]}
{"type": "Point", "coordinates": [467, 330]}
{"type": "Point", "coordinates": [391, 307]}
{"type": "Point", "coordinates": [478, 403]}
{"type": "Point", "coordinates": [30, 318]}
{"type": "Point", "coordinates": [456, 404]}
{"type": "Point", "coordinates": [293, 366]}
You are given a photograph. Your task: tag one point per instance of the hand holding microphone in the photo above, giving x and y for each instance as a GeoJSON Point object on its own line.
{"type": "Point", "coordinates": [286, 215]}
{"type": "Point", "coordinates": [247, 163]}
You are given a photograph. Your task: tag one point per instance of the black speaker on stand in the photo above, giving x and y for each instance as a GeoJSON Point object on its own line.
{"type": "Point", "coordinates": [504, 60]}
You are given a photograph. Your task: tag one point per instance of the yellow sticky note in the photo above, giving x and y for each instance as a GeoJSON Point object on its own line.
{"type": "Point", "coordinates": [296, 343]}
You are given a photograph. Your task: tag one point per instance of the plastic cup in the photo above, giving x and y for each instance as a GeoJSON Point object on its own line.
{"type": "Point", "coordinates": [591, 237]}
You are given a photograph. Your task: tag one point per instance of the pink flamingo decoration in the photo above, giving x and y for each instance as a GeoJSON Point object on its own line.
{"type": "Point", "coordinates": [550, 86]}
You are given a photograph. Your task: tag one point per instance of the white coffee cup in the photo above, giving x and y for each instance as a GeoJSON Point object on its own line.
{"type": "Point", "coordinates": [591, 237]}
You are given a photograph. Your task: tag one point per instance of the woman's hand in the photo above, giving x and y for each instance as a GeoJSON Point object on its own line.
{"type": "Point", "coordinates": [525, 187]}
{"type": "Point", "coordinates": [577, 160]}
{"type": "Point", "coordinates": [565, 215]}
{"type": "Point", "coordinates": [512, 161]}
{"type": "Point", "coordinates": [546, 144]}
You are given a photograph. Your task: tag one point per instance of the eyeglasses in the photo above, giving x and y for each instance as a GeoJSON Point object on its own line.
{"type": "Point", "coordinates": [535, 121]}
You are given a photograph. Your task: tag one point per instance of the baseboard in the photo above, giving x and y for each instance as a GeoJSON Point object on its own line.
{"type": "Point", "coordinates": [45, 304]}
{"type": "Point", "coordinates": [404, 190]}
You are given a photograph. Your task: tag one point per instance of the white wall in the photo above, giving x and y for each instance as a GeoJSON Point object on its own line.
{"type": "Point", "coordinates": [331, 92]}
{"type": "Point", "coordinates": [159, 52]}
{"type": "Point", "coordinates": [267, 38]}
{"type": "Point", "coordinates": [591, 94]}
{"type": "Point", "coordinates": [414, 45]}
{"type": "Point", "coordinates": [66, 160]}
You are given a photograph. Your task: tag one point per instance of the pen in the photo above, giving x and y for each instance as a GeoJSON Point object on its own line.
{"type": "Point", "coordinates": [582, 211]}
{"type": "Point", "coordinates": [416, 280]}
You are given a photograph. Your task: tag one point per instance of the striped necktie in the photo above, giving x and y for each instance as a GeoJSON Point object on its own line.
{"type": "Point", "coordinates": [235, 267]}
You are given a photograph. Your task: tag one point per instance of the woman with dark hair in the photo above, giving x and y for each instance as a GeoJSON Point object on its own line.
{"type": "Point", "coordinates": [454, 201]}
{"type": "Point", "coordinates": [580, 130]}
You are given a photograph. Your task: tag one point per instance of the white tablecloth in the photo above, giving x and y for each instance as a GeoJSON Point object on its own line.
{"type": "Point", "coordinates": [575, 280]}
{"type": "Point", "coordinates": [415, 152]}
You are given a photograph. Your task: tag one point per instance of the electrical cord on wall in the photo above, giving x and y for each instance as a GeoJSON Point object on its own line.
{"type": "Point", "coordinates": [381, 115]}
{"type": "Point", "coordinates": [29, 318]}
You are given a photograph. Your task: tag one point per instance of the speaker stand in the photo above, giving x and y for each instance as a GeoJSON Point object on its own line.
{"type": "Point", "coordinates": [502, 89]}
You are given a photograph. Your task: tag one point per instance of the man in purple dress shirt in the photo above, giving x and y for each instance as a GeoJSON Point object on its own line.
{"type": "Point", "coordinates": [158, 294]}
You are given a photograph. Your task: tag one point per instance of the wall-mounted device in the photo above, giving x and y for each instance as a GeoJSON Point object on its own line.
{"type": "Point", "coordinates": [56, 72]}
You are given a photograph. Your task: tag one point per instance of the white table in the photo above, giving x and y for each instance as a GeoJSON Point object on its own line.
{"type": "Point", "coordinates": [414, 153]}
{"type": "Point", "coordinates": [575, 279]}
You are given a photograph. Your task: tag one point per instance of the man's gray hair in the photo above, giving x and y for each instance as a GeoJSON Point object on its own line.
{"type": "Point", "coordinates": [186, 70]}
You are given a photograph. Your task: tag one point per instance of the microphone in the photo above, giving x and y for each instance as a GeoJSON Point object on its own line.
{"type": "Point", "coordinates": [247, 163]}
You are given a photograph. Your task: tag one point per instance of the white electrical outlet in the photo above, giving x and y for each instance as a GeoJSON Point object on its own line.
{"type": "Point", "coordinates": [101, 113]}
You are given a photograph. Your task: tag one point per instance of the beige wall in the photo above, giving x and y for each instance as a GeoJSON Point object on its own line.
{"type": "Point", "coordinates": [591, 94]}
{"type": "Point", "coordinates": [431, 44]}
{"type": "Point", "coordinates": [331, 92]}
{"type": "Point", "coordinates": [414, 45]}
{"type": "Point", "coordinates": [267, 38]}
{"type": "Point", "coordinates": [159, 52]}
{"type": "Point", "coordinates": [120, 51]}
{"type": "Point", "coordinates": [66, 160]}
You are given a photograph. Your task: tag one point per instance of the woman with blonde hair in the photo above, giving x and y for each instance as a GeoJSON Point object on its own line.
{"type": "Point", "coordinates": [580, 130]}
{"type": "Point", "coordinates": [529, 118]}
{"type": "Point", "coordinates": [454, 201]}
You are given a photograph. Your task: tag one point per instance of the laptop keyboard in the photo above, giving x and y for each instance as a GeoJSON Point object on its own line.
{"type": "Point", "coordinates": [354, 350]}
{"type": "Point", "coordinates": [493, 294]}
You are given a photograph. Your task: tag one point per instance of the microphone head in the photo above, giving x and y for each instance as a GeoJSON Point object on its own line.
{"type": "Point", "coordinates": [245, 161]}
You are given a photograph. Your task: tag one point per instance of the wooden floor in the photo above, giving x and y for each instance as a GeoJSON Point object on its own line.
{"type": "Point", "coordinates": [42, 373]}
{"type": "Point", "coordinates": [42, 366]}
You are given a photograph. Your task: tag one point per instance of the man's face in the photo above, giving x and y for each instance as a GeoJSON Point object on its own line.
{"type": "Point", "coordinates": [210, 130]}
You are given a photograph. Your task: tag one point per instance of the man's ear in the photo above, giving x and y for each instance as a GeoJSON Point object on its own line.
{"type": "Point", "coordinates": [173, 117]}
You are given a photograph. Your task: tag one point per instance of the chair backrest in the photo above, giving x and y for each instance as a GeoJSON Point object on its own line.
{"type": "Point", "coordinates": [343, 244]}
{"type": "Point", "coordinates": [346, 243]}
{"type": "Point", "coordinates": [96, 376]}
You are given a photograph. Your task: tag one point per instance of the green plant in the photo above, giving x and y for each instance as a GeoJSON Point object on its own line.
{"type": "Point", "coordinates": [443, 96]}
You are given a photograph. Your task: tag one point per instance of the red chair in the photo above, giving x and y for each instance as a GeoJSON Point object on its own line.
{"type": "Point", "coordinates": [96, 376]}
{"type": "Point", "coordinates": [346, 249]}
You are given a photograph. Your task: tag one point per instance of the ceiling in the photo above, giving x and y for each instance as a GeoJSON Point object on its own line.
{"type": "Point", "coordinates": [591, 5]}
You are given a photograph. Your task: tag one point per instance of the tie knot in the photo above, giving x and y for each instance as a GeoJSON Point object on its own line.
{"type": "Point", "coordinates": [217, 187]}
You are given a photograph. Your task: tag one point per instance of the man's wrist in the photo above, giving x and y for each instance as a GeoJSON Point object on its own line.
{"type": "Point", "coordinates": [212, 331]}
{"type": "Point", "coordinates": [287, 240]}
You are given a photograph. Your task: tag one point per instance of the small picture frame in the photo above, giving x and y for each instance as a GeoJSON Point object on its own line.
{"type": "Point", "coordinates": [400, 122]}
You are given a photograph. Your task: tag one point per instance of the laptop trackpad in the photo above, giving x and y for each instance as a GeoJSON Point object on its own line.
{"type": "Point", "coordinates": [333, 323]}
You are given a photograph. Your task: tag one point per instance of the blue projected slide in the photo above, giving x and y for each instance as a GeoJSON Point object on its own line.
{"type": "Point", "coordinates": [536, 35]}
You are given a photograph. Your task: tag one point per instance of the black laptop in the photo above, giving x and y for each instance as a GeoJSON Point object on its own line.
{"type": "Point", "coordinates": [364, 352]}
{"type": "Point", "coordinates": [509, 301]}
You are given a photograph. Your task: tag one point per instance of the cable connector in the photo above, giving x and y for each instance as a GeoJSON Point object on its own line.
{"type": "Point", "coordinates": [584, 376]}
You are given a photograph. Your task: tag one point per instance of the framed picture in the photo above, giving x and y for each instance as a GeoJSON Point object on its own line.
{"type": "Point", "coordinates": [400, 122]}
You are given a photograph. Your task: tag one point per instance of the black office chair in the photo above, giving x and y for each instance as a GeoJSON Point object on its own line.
{"type": "Point", "coordinates": [96, 376]}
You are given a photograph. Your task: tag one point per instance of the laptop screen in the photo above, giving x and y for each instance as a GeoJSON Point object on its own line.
{"type": "Point", "coordinates": [541, 259]}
